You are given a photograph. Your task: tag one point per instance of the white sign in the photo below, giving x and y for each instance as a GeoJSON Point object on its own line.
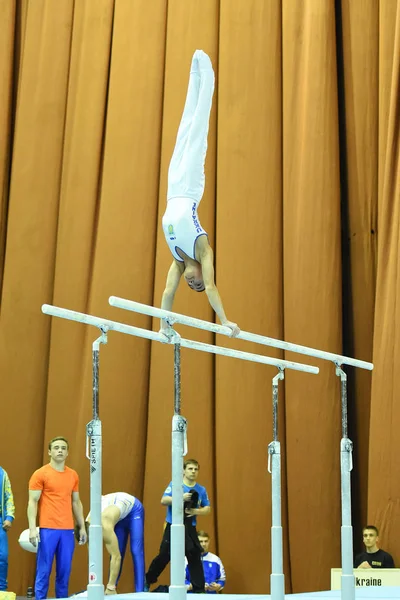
{"type": "Point", "coordinates": [368, 578]}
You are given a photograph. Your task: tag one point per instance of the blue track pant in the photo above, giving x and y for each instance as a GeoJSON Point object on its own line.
{"type": "Point", "coordinates": [58, 543]}
{"type": "Point", "coordinates": [3, 557]}
{"type": "Point", "coordinates": [133, 526]}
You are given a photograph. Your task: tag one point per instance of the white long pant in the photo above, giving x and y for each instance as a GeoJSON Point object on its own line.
{"type": "Point", "coordinates": [186, 177]}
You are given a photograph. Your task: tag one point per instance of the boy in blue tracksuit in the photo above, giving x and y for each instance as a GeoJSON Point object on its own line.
{"type": "Point", "coordinates": [7, 512]}
{"type": "Point", "coordinates": [214, 572]}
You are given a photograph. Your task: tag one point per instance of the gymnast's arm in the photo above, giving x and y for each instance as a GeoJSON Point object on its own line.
{"type": "Point", "coordinates": [167, 500]}
{"type": "Point", "coordinates": [207, 267]}
{"type": "Point", "coordinates": [173, 279]}
{"type": "Point", "coordinates": [34, 497]}
{"type": "Point", "coordinates": [111, 543]}
{"type": "Point", "coordinates": [77, 509]}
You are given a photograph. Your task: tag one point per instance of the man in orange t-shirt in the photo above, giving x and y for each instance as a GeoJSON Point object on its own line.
{"type": "Point", "coordinates": [54, 490]}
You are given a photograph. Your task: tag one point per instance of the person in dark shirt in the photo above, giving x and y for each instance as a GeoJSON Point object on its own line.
{"type": "Point", "coordinates": [196, 503]}
{"type": "Point", "coordinates": [373, 557]}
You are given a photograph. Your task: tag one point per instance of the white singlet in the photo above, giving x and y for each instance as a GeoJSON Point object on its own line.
{"type": "Point", "coordinates": [182, 227]}
{"type": "Point", "coordinates": [123, 501]}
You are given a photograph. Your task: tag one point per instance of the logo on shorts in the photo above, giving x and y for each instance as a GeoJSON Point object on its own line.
{"type": "Point", "coordinates": [171, 232]}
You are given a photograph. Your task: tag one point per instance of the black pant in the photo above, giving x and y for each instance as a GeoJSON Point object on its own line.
{"type": "Point", "coordinates": [193, 552]}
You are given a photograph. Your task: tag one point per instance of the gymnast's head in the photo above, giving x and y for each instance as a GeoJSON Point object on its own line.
{"type": "Point", "coordinates": [193, 276]}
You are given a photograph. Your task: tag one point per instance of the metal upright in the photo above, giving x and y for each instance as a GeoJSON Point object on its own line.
{"type": "Point", "coordinates": [346, 466]}
{"type": "Point", "coordinates": [95, 588]}
{"type": "Point", "coordinates": [177, 589]}
{"type": "Point", "coordinates": [277, 578]}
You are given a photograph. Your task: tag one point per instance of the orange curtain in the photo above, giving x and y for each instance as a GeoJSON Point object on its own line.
{"type": "Point", "coordinates": [383, 471]}
{"type": "Point", "coordinates": [312, 282]}
{"type": "Point", "coordinates": [302, 210]}
{"type": "Point", "coordinates": [358, 102]}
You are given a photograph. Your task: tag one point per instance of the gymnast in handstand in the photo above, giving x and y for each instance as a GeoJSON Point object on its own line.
{"type": "Point", "coordinates": [192, 254]}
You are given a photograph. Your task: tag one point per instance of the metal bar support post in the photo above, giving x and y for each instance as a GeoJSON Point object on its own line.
{"type": "Point", "coordinates": [277, 578]}
{"type": "Point", "coordinates": [95, 588]}
{"type": "Point", "coordinates": [177, 589]}
{"type": "Point", "coordinates": [346, 465]}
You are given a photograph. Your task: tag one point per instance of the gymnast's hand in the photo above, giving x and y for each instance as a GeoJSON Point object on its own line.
{"type": "Point", "coordinates": [7, 524]}
{"type": "Point", "coordinates": [215, 587]}
{"type": "Point", "coordinates": [34, 537]}
{"type": "Point", "coordinates": [109, 592]}
{"type": "Point", "coordinates": [233, 327]}
{"type": "Point", "coordinates": [166, 332]}
{"type": "Point", "coordinates": [82, 536]}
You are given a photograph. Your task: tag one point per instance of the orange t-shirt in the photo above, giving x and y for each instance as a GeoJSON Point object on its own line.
{"type": "Point", "coordinates": [55, 504]}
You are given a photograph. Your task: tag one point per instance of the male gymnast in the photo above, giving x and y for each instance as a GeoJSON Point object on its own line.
{"type": "Point", "coordinates": [122, 516]}
{"type": "Point", "coordinates": [186, 238]}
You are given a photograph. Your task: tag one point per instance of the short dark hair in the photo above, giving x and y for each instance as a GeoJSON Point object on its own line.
{"type": "Point", "coordinates": [76, 531]}
{"type": "Point", "coordinates": [191, 461]}
{"type": "Point", "coordinates": [55, 439]}
{"type": "Point", "coordinates": [371, 527]}
{"type": "Point", "coordinates": [202, 533]}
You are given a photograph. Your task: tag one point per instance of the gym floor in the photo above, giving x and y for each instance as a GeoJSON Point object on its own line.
{"type": "Point", "coordinates": [362, 593]}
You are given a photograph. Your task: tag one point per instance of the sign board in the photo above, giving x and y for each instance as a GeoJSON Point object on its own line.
{"type": "Point", "coordinates": [368, 578]}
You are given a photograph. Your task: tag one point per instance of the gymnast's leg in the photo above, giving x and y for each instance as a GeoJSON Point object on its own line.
{"type": "Point", "coordinates": [121, 530]}
{"type": "Point", "coordinates": [186, 177]}
{"type": "Point", "coordinates": [136, 532]}
{"type": "Point", "coordinates": [163, 557]}
{"type": "Point", "coordinates": [3, 557]}
{"type": "Point", "coordinates": [49, 539]}
{"type": "Point", "coordinates": [64, 553]}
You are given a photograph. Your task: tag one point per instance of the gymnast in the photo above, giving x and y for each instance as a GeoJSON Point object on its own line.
{"type": "Point", "coordinates": [187, 240]}
{"type": "Point", "coordinates": [122, 515]}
